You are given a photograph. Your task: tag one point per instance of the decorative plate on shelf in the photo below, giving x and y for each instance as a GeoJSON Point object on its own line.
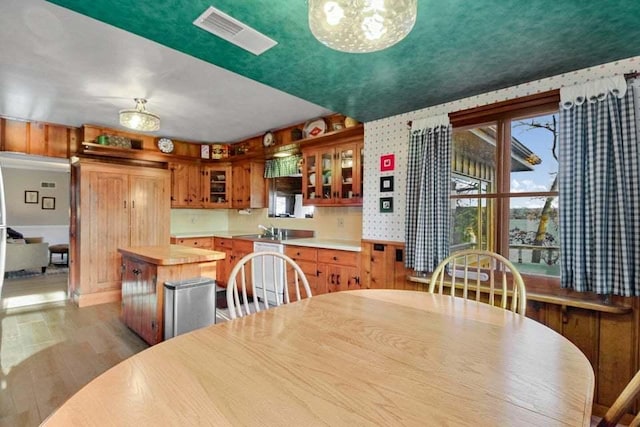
{"type": "Point", "coordinates": [165, 145]}
{"type": "Point", "coordinates": [315, 128]}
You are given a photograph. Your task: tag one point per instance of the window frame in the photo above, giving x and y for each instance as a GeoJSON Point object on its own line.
{"type": "Point", "coordinates": [501, 115]}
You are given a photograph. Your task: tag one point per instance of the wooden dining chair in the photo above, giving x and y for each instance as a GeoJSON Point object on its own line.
{"type": "Point", "coordinates": [261, 280]}
{"type": "Point", "coordinates": [621, 404]}
{"type": "Point", "coordinates": [481, 272]}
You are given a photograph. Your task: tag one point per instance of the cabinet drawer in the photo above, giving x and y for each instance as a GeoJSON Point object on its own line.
{"type": "Point", "coordinates": [244, 246]}
{"type": "Point", "coordinates": [195, 242]}
{"type": "Point", "coordinates": [326, 256]}
{"type": "Point", "coordinates": [309, 268]}
{"type": "Point", "coordinates": [222, 243]}
{"type": "Point", "coordinates": [298, 253]}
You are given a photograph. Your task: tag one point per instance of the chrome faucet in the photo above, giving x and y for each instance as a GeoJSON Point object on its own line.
{"type": "Point", "coordinates": [270, 231]}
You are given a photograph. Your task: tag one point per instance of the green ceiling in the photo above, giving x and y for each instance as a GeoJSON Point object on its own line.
{"type": "Point", "coordinates": [457, 48]}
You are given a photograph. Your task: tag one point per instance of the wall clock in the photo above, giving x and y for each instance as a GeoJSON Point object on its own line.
{"type": "Point", "coordinates": [165, 145]}
{"type": "Point", "coordinates": [268, 139]}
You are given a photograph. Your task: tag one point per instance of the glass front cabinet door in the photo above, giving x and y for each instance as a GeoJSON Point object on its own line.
{"type": "Point", "coordinates": [350, 169]}
{"type": "Point", "coordinates": [217, 186]}
{"type": "Point", "coordinates": [333, 175]}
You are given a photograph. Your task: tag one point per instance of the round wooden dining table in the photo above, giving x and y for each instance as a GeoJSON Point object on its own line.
{"type": "Point", "coordinates": [367, 357]}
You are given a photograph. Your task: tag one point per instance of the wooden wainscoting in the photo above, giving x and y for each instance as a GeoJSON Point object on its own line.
{"type": "Point", "coordinates": [608, 334]}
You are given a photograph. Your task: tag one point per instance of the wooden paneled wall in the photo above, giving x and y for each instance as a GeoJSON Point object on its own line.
{"type": "Point", "coordinates": [607, 336]}
{"type": "Point", "coordinates": [43, 139]}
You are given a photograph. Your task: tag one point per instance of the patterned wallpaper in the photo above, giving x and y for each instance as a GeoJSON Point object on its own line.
{"type": "Point", "coordinates": [391, 136]}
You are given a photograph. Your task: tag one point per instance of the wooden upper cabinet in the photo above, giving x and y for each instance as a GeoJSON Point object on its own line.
{"type": "Point", "coordinates": [248, 189]}
{"type": "Point", "coordinates": [216, 186]}
{"type": "Point", "coordinates": [332, 175]}
{"type": "Point", "coordinates": [38, 138]}
{"type": "Point", "coordinates": [349, 169]}
{"type": "Point", "coordinates": [186, 187]}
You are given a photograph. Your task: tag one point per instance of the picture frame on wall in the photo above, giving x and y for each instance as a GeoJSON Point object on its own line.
{"type": "Point", "coordinates": [386, 184]}
{"type": "Point", "coordinates": [31, 197]}
{"type": "Point", "coordinates": [387, 162]}
{"type": "Point", "coordinates": [386, 204]}
{"type": "Point", "coordinates": [49, 203]}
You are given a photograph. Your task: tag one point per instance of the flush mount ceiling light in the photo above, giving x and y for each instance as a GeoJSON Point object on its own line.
{"type": "Point", "coordinates": [360, 26]}
{"type": "Point", "coordinates": [139, 118]}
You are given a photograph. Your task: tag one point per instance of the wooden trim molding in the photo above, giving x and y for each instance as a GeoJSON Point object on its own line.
{"type": "Point", "coordinates": [538, 102]}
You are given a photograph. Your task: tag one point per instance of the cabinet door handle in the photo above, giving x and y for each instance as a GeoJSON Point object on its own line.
{"type": "Point", "coordinates": [338, 279]}
{"type": "Point", "coordinates": [332, 279]}
{"type": "Point", "coordinates": [133, 204]}
{"type": "Point", "coordinates": [136, 271]}
{"type": "Point", "coordinates": [125, 204]}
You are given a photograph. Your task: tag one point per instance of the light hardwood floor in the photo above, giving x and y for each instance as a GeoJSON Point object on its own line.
{"type": "Point", "coordinates": [48, 351]}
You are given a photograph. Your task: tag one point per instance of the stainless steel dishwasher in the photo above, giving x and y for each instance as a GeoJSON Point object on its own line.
{"type": "Point", "coordinates": [189, 305]}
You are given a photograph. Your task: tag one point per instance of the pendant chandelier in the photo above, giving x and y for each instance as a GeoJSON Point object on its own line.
{"type": "Point", "coordinates": [360, 26]}
{"type": "Point", "coordinates": [139, 118]}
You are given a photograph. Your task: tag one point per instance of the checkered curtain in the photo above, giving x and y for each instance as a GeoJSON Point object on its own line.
{"type": "Point", "coordinates": [599, 183]}
{"type": "Point", "coordinates": [282, 166]}
{"type": "Point", "coordinates": [427, 210]}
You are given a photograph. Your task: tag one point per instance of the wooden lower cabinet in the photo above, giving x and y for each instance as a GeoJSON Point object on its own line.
{"type": "Point", "coordinates": [234, 249]}
{"type": "Point", "coordinates": [140, 299]}
{"type": "Point", "coordinates": [143, 293]}
{"type": "Point", "coordinates": [339, 270]}
{"type": "Point", "coordinates": [194, 242]}
{"type": "Point", "coordinates": [225, 245]}
{"type": "Point", "coordinates": [609, 340]}
{"type": "Point", "coordinates": [307, 259]}
{"type": "Point", "coordinates": [326, 270]}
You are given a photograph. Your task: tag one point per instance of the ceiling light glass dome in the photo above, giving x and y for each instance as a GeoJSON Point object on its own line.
{"type": "Point", "coordinates": [360, 26]}
{"type": "Point", "coordinates": [139, 118]}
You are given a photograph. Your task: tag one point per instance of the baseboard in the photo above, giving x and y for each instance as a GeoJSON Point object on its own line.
{"type": "Point", "coordinates": [86, 300]}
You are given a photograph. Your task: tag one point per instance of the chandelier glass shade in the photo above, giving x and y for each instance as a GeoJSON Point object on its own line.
{"type": "Point", "coordinates": [360, 26]}
{"type": "Point", "coordinates": [139, 118]}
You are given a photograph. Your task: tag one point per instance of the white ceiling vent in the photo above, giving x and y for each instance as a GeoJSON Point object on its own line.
{"type": "Point", "coordinates": [224, 26]}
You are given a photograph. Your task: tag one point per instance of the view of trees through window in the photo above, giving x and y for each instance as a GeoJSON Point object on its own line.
{"type": "Point", "coordinates": [504, 191]}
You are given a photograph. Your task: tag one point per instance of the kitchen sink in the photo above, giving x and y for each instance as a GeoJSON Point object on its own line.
{"type": "Point", "coordinates": [257, 237]}
{"type": "Point", "coordinates": [280, 235]}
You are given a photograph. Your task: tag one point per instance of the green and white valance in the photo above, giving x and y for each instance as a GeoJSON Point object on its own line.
{"type": "Point", "coordinates": [282, 166]}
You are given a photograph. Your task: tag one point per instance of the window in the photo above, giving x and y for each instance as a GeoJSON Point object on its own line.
{"type": "Point", "coordinates": [504, 194]}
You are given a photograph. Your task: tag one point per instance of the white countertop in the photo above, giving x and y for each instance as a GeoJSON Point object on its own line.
{"type": "Point", "coordinates": [209, 233]}
{"type": "Point", "coordinates": [313, 242]}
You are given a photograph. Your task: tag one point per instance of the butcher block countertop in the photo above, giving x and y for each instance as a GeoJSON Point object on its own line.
{"type": "Point", "coordinates": [171, 254]}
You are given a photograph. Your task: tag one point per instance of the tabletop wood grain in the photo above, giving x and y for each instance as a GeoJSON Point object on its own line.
{"type": "Point", "coordinates": [368, 357]}
{"type": "Point", "coordinates": [171, 254]}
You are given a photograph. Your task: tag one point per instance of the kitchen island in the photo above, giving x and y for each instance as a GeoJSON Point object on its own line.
{"type": "Point", "coordinates": [145, 269]}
